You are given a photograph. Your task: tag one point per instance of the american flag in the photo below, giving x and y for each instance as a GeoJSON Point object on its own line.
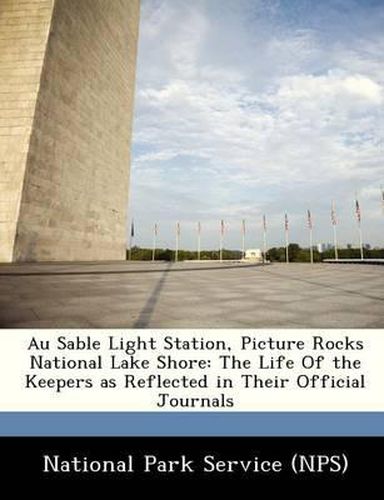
{"type": "Point", "coordinates": [333, 214]}
{"type": "Point", "coordinates": [243, 226]}
{"type": "Point", "coordinates": [156, 229]}
{"type": "Point", "coordinates": [178, 228]}
{"type": "Point", "coordinates": [286, 222]}
{"type": "Point", "coordinates": [132, 229]}
{"type": "Point", "coordinates": [264, 222]}
{"type": "Point", "coordinates": [309, 215]}
{"type": "Point", "coordinates": [358, 211]}
{"type": "Point", "coordinates": [222, 228]}
{"type": "Point", "coordinates": [199, 228]}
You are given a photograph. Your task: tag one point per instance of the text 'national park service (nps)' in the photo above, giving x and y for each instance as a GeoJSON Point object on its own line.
{"type": "Point", "coordinates": [196, 370]}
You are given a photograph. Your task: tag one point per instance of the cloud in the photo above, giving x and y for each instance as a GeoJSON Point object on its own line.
{"type": "Point", "coordinates": [329, 89]}
{"type": "Point", "coordinates": [235, 118]}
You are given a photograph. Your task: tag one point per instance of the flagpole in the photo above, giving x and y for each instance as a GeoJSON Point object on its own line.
{"type": "Point", "coordinates": [177, 241]}
{"type": "Point", "coordinates": [243, 239]}
{"type": "Point", "coordinates": [198, 240]}
{"type": "Point", "coordinates": [361, 242]}
{"type": "Point", "coordinates": [286, 248]}
{"type": "Point", "coordinates": [334, 224]}
{"type": "Point", "coordinates": [265, 239]}
{"type": "Point", "coordinates": [358, 218]}
{"type": "Point", "coordinates": [335, 242]}
{"type": "Point", "coordinates": [286, 240]}
{"type": "Point", "coordinates": [221, 248]}
{"type": "Point", "coordinates": [130, 241]}
{"type": "Point", "coordinates": [382, 196]}
{"type": "Point", "coordinates": [130, 246]}
{"type": "Point", "coordinates": [311, 244]}
{"type": "Point", "coordinates": [310, 227]}
{"type": "Point", "coordinates": [154, 243]}
{"type": "Point", "coordinates": [221, 240]}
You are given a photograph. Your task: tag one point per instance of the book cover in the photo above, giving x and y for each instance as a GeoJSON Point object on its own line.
{"type": "Point", "coordinates": [191, 259]}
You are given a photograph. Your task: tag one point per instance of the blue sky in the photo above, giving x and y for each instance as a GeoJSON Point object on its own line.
{"type": "Point", "coordinates": [252, 106]}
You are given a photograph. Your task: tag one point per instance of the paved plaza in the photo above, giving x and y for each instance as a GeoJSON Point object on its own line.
{"type": "Point", "coordinates": [187, 295]}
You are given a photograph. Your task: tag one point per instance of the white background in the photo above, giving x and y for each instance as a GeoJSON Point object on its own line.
{"type": "Point", "coordinates": [15, 364]}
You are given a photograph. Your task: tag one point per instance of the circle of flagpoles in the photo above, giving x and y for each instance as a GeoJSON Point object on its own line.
{"type": "Point", "coordinates": [222, 230]}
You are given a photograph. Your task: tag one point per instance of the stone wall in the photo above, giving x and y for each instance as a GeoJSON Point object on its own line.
{"type": "Point", "coordinates": [24, 27]}
{"type": "Point", "coordinates": [74, 198]}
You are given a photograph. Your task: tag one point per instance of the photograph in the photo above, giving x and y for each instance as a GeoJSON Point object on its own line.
{"type": "Point", "coordinates": [191, 240]}
{"type": "Point", "coordinates": [202, 164]}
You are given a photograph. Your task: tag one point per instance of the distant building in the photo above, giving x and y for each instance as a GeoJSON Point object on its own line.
{"type": "Point", "coordinates": [322, 247]}
{"type": "Point", "coordinates": [254, 254]}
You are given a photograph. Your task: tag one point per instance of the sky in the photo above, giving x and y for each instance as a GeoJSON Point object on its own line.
{"type": "Point", "coordinates": [246, 107]}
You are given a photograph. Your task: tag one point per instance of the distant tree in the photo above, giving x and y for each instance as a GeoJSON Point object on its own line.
{"type": "Point", "coordinates": [294, 252]}
{"type": "Point", "coordinates": [275, 254]}
{"type": "Point", "coordinates": [376, 253]}
{"type": "Point", "coordinates": [164, 254]}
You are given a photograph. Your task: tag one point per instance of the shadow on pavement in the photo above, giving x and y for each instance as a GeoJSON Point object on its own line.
{"type": "Point", "coordinates": [147, 311]}
{"type": "Point", "coordinates": [218, 267]}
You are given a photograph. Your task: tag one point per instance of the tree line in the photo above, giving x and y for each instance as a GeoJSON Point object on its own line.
{"type": "Point", "coordinates": [167, 254]}
{"type": "Point", "coordinates": [298, 254]}
{"type": "Point", "coordinates": [275, 254]}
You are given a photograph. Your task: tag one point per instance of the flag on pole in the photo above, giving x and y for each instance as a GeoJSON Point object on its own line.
{"type": "Point", "coordinates": [132, 229]}
{"type": "Point", "coordinates": [178, 228]}
{"type": "Point", "coordinates": [310, 223]}
{"type": "Point", "coordinates": [286, 222]}
{"type": "Point", "coordinates": [243, 226]}
{"type": "Point", "coordinates": [358, 211]}
{"type": "Point", "coordinates": [358, 218]}
{"type": "Point", "coordinates": [333, 214]}
{"type": "Point", "coordinates": [156, 229]}
{"type": "Point", "coordinates": [264, 222]}
{"type": "Point", "coordinates": [198, 228]}
{"type": "Point", "coordinates": [222, 227]}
